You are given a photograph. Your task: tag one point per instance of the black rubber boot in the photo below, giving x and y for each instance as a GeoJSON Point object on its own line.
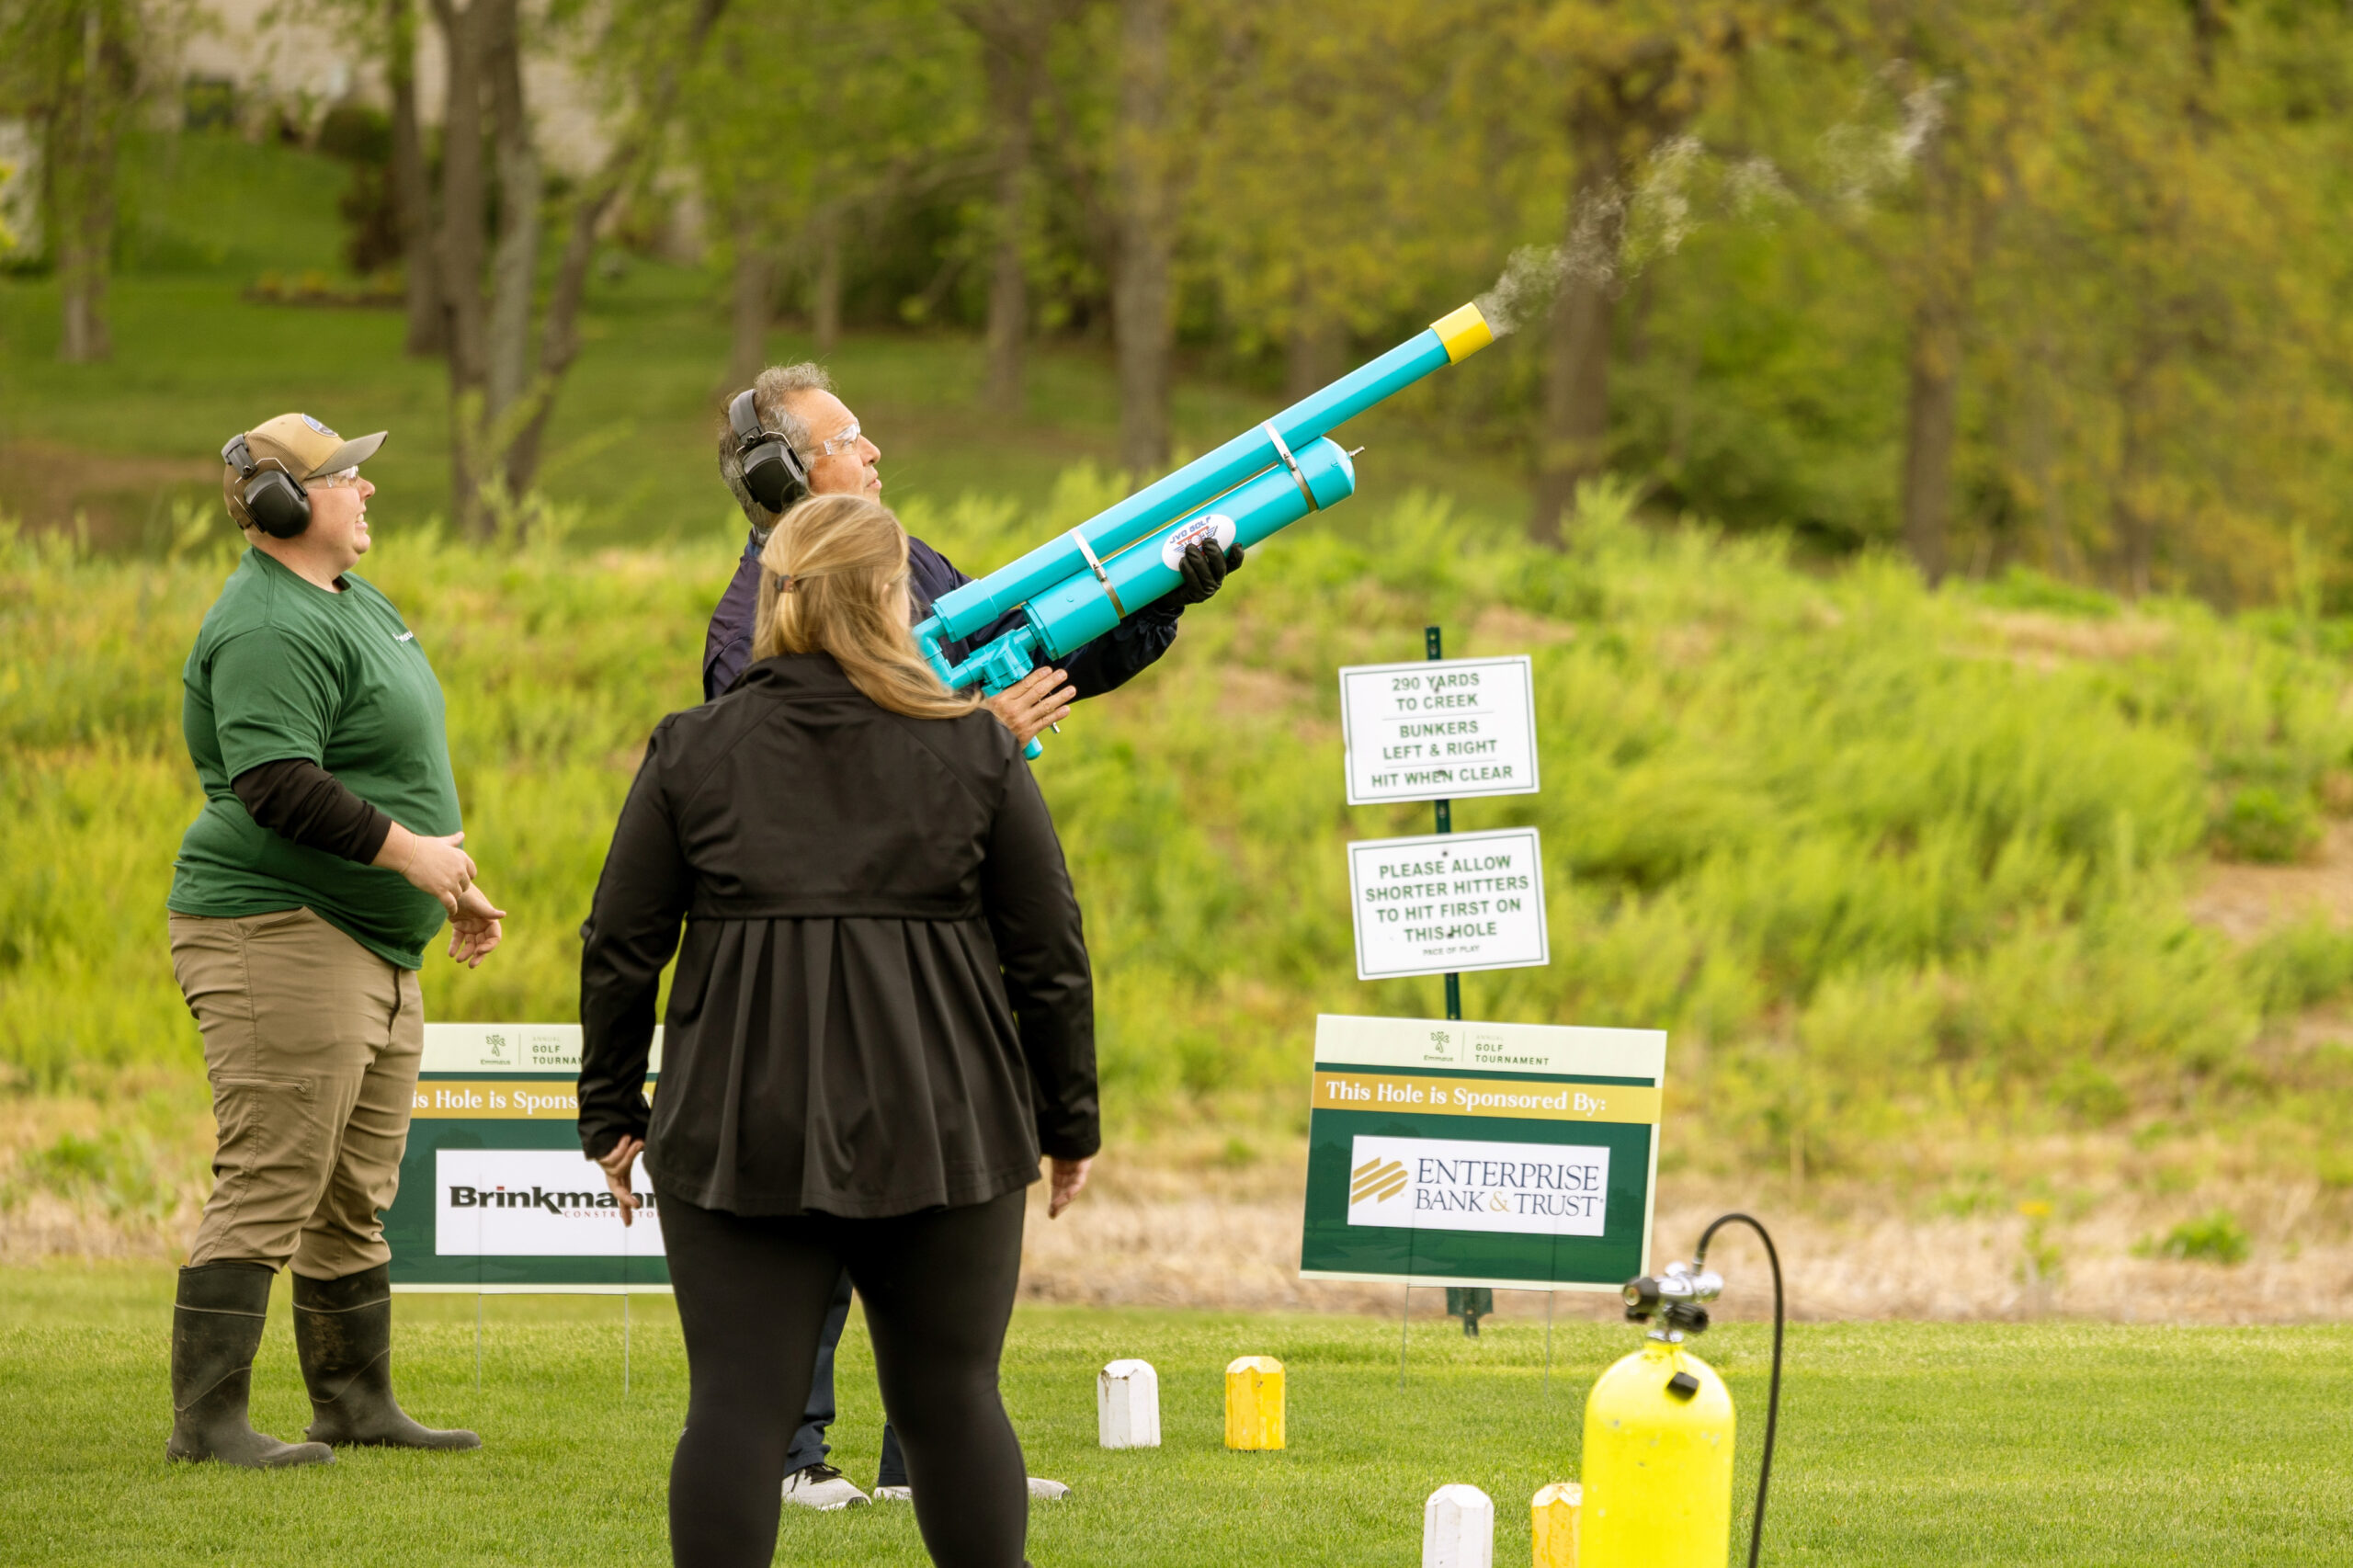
{"type": "Point", "coordinates": [344, 1330]}
{"type": "Point", "coordinates": [216, 1328]}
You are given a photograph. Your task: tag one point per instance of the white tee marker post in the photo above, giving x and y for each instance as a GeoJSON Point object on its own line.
{"type": "Point", "coordinates": [1127, 1405]}
{"type": "Point", "coordinates": [1458, 1528]}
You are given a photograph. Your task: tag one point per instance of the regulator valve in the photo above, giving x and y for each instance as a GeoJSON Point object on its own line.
{"type": "Point", "coordinates": [1675, 1300]}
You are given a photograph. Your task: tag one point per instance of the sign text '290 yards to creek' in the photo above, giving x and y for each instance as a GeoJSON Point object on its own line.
{"type": "Point", "coordinates": [1444, 729]}
{"type": "Point", "coordinates": [1447, 902]}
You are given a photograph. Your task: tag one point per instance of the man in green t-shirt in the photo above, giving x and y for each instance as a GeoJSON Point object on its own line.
{"type": "Point", "coordinates": [327, 855]}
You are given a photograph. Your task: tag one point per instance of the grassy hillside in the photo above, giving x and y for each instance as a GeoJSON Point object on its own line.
{"type": "Point", "coordinates": [1904, 873]}
{"type": "Point", "coordinates": [1901, 871]}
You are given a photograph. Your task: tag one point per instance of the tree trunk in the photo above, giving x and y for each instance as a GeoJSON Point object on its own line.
{"type": "Point", "coordinates": [1142, 312]}
{"type": "Point", "coordinates": [1932, 413]}
{"type": "Point", "coordinates": [461, 249]}
{"type": "Point", "coordinates": [412, 186]}
{"type": "Point", "coordinates": [514, 264]}
{"type": "Point", "coordinates": [1314, 351]}
{"type": "Point", "coordinates": [1573, 445]}
{"type": "Point", "coordinates": [79, 167]}
{"type": "Point", "coordinates": [2134, 528]}
{"type": "Point", "coordinates": [826, 302]}
{"type": "Point", "coordinates": [1012, 75]}
{"type": "Point", "coordinates": [754, 295]}
{"type": "Point", "coordinates": [656, 97]}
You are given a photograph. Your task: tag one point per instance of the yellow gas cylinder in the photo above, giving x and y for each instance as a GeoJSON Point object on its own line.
{"type": "Point", "coordinates": [1658, 1431]}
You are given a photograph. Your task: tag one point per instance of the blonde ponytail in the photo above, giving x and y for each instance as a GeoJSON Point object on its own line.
{"type": "Point", "coordinates": [829, 582]}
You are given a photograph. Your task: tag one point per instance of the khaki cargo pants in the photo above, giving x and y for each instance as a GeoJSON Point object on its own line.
{"type": "Point", "coordinates": [312, 1043]}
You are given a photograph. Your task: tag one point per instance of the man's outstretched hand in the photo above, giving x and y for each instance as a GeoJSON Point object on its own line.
{"type": "Point", "coordinates": [1204, 568]}
{"type": "Point", "coordinates": [1041, 698]}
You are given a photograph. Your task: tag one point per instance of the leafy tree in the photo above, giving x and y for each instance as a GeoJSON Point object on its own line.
{"type": "Point", "coordinates": [806, 127]}
{"type": "Point", "coordinates": [1630, 75]}
{"type": "Point", "coordinates": [72, 68]}
{"type": "Point", "coordinates": [502, 385]}
{"type": "Point", "coordinates": [1016, 39]}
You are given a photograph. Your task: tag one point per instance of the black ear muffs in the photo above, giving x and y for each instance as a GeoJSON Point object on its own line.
{"type": "Point", "coordinates": [278, 506]}
{"type": "Point", "coordinates": [774, 474]}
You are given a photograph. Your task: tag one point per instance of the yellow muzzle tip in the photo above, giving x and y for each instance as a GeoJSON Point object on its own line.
{"type": "Point", "coordinates": [1465, 332]}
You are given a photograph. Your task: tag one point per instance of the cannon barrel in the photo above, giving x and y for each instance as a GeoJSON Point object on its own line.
{"type": "Point", "coordinates": [1081, 584]}
{"type": "Point", "coordinates": [985, 600]}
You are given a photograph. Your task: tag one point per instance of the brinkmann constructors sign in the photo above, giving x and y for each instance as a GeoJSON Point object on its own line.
{"type": "Point", "coordinates": [494, 1194]}
{"type": "Point", "coordinates": [1522, 1155]}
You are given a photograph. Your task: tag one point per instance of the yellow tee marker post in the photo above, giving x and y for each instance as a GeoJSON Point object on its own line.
{"type": "Point", "coordinates": [1553, 1512]}
{"type": "Point", "coordinates": [1254, 1403]}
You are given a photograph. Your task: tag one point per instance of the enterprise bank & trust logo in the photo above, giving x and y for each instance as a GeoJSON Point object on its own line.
{"type": "Point", "coordinates": [1377, 1180]}
{"type": "Point", "coordinates": [1458, 1184]}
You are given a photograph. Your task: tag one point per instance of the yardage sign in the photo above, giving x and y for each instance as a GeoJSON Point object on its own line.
{"type": "Point", "coordinates": [496, 1196]}
{"type": "Point", "coordinates": [1441, 729]}
{"type": "Point", "coordinates": [1447, 902]}
{"type": "Point", "coordinates": [1523, 1155]}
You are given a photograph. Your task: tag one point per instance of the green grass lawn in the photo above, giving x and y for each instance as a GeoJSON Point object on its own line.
{"type": "Point", "coordinates": [1900, 1443]}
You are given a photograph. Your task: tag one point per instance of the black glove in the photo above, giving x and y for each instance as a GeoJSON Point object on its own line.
{"type": "Point", "coordinates": [1204, 567]}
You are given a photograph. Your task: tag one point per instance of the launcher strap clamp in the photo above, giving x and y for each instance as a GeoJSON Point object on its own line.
{"type": "Point", "coordinates": [1100, 576]}
{"type": "Point", "coordinates": [1283, 450]}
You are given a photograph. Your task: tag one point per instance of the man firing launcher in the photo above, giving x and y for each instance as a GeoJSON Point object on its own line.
{"type": "Point", "coordinates": [825, 452]}
{"type": "Point", "coordinates": [797, 402]}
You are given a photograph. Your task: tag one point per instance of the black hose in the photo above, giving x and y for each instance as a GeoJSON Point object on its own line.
{"type": "Point", "coordinates": [1772, 1400]}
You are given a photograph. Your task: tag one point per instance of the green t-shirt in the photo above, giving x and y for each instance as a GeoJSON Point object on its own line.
{"type": "Point", "coordinates": [282, 668]}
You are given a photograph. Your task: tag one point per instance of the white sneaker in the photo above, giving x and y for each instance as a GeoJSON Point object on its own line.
{"type": "Point", "coordinates": [822, 1487]}
{"type": "Point", "coordinates": [1041, 1489]}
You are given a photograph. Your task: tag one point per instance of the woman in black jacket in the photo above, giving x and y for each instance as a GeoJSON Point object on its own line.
{"type": "Point", "coordinates": [882, 1015]}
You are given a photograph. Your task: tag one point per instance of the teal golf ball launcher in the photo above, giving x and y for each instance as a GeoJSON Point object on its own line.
{"type": "Point", "coordinates": [1080, 585]}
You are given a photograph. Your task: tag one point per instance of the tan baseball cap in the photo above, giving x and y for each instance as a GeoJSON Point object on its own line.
{"type": "Point", "coordinates": [307, 449]}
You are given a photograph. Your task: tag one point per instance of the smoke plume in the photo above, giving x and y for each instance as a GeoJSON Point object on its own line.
{"type": "Point", "coordinates": [1614, 232]}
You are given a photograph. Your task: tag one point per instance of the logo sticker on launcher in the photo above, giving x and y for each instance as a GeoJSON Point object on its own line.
{"type": "Point", "coordinates": [1200, 530]}
{"type": "Point", "coordinates": [1456, 1184]}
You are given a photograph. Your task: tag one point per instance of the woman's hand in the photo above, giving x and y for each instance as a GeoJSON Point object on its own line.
{"type": "Point", "coordinates": [474, 928]}
{"type": "Point", "coordinates": [1037, 699]}
{"type": "Point", "coordinates": [432, 865]}
{"type": "Point", "coordinates": [616, 1163]}
{"type": "Point", "coordinates": [1068, 1181]}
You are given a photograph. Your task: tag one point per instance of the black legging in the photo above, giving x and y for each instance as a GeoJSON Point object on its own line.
{"type": "Point", "coordinates": [752, 1295]}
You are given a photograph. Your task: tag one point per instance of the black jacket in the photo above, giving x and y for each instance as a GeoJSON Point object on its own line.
{"type": "Point", "coordinates": [883, 1003]}
{"type": "Point", "coordinates": [1102, 665]}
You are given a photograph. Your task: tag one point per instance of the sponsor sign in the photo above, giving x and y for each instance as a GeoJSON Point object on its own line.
{"type": "Point", "coordinates": [1443, 729]}
{"type": "Point", "coordinates": [496, 1196]}
{"type": "Point", "coordinates": [1448, 902]}
{"type": "Point", "coordinates": [536, 1203]}
{"type": "Point", "coordinates": [1522, 1155]}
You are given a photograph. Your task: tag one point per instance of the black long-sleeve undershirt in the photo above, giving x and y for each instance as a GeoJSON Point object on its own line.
{"type": "Point", "coordinates": [297, 798]}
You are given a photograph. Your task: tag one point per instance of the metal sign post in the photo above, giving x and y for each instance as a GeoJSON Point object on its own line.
{"type": "Point", "coordinates": [1442, 812]}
